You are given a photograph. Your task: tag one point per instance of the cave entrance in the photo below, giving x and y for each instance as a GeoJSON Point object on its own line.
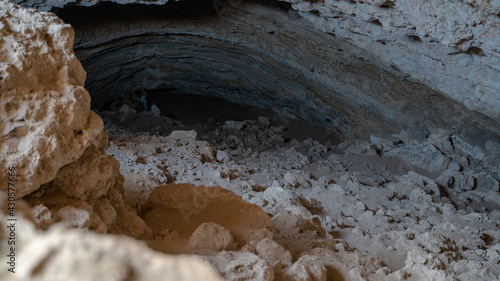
{"type": "Point", "coordinates": [198, 65]}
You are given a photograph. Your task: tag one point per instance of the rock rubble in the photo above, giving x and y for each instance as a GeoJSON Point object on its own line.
{"type": "Point", "coordinates": [356, 209]}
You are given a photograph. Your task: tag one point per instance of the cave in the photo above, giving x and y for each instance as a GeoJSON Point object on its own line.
{"type": "Point", "coordinates": [256, 54]}
{"type": "Point", "coordinates": [250, 140]}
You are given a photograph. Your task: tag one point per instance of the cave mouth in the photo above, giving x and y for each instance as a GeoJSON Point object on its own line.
{"type": "Point", "coordinates": [192, 77]}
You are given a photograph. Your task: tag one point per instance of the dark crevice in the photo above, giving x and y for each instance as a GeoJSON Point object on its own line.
{"type": "Point", "coordinates": [387, 4]}
{"type": "Point", "coordinates": [316, 12]}
{"type": "Point", "coordinates": [475, 51]}
{"type": "Point", "coordinates": [376, 22]}
{"type": "Point", "coordinates": [414, 38]}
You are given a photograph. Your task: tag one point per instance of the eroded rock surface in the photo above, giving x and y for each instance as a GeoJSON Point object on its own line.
{"type": "Point", "coordinates": [355, 210]}
{"type": "Point", "coordinates": [308, 210]}
{"type": "Point", "coordinates": [48, 132]}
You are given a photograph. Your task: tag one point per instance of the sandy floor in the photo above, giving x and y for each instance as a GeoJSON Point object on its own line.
{"type": "Point", "coordinates": [390, 208]}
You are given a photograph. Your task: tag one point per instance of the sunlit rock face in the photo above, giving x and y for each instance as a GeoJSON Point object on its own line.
{"type": "Point", "coordinates": [357, 66]}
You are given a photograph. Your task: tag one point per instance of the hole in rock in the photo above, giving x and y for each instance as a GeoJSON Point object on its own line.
{"type": "Point", "coordinates": [475, 51]}
{"type": "Point", "coordinates": [415, 38]}
{"type": "Point", "coordinates": [387, 4]}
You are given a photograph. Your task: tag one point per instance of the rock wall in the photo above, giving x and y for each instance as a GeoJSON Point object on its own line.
{"type": "Point", "coordinates": [450, 46]}
{"type": "Point", "coordinates": [384, 65]}
{"type": "Point", "coordinates": [48, 132]}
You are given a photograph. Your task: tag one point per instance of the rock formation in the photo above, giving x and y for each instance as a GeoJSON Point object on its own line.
{"type": "Point", "coordinates": [50, 135]}
{"type": "Point", "coordinates": [62, 254]}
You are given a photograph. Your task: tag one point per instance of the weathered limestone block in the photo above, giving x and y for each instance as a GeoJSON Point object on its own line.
{"type": "Point", "coordinates": [241, 266]}
{"type": "Point", "coordinates": [48, 132]}
{"type": "Point", "coordinates": [210, 237]}
{"type": "Point", "coordinates": [273, 252]}
{"type": "Point", "coordinates": [422, 155]}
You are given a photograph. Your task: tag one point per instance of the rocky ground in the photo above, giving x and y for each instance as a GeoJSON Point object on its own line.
{"type": "Point", "coordinates": [391, 208]}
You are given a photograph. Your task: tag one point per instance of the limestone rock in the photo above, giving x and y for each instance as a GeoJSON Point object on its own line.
{"type": "Point", "coordinates": [233, 125]}
{"type": "Point", "coordinates": [49, 134]}
{"type": "Point", "coordinates": [383, 142]}
{"type": "Point", "coordinates": [422, 155]}
{"type": "Point", "coordinates": [126, 112]}
{"type": "Point", "coordinates": [42, 216]}
{"type": "Point", "coordinates": [467, 148]}
{"type": "Point", "coordinates": [298, 232]}
{"type": "Point", "coordinates": [296, 179]}
{"type": "Point", "coordinates": [222, 156]}
{"type": "Point", "coordinates": [276, 199]}
{"type": "Point", "coordinates": [47, 6]}
{"type": "Point", "coordinates": [307, 268]}
{"type": "Point", "coordinates": [89, 177]}
{"type": "Point", "coordinates": [210, 237]}
{"type": "Point", "coordinates": [78, 218]}
{"type": "Point", "coordinates": [241, 266]}
{"type": "Point", "coordinates": [396, 31]}
{"type": "Point", "coordinates": [185, 136]}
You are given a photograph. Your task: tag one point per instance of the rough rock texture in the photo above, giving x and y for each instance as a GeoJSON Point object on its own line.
{"type": "Point", "coordinates": [62, 254]}
{"type": "Point", "coordinates": [48, 132]}
{"type": "Point", "coordinates": [191, 219]}
{"type": "Point", "coordinates": [210, 237]}
{"type": "Point", "coordinates": [408, 64]}
{"type": "Point", "coordinates": [354, 211]}
{"type": "Point", "coordinates": [241, 266]}
{"type": "Point", "coordinates": [48, 5]}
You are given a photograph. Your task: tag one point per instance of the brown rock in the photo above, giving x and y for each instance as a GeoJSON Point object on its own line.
{"type": "Point", "coordinates": [175, 211]}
